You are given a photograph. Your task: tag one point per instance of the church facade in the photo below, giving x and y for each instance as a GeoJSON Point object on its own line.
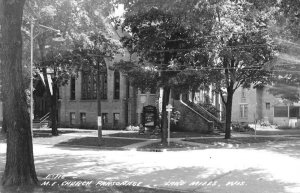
{"type": "Point", "coordinates": [121, 104]}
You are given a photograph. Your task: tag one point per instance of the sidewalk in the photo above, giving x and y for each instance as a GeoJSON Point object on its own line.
{"type": "Point", "coordinates": [69, 134]}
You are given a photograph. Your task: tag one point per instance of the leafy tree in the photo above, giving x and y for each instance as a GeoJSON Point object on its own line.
{"type": "Point", "coordinates": [287, 29]}
{"type": "Point", "coordinates": [242, 48]}
{"type": "Point", "coordinates": [93, 54]}
{"type": "Point", "coordinates": [76, 19]}
{"type": "Point", "coordinates": [19, 168]}
{"type": "Point", "coordinates": [161, 34]}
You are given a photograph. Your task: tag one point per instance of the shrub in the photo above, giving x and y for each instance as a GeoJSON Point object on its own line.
{"type": "Point", "coordinates": [241, 127]}
{"type": "Point", "coordinates": [286, 127]}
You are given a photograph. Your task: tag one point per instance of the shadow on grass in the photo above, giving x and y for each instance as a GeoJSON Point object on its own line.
{"type": "Point", "coordinates": [241, 140]}
{"type": "Point", "coordinates": [47, 133]}
{"type": "Point", "coordinates": [173, 145]}
{"type": "Point", "coordinates": [189, 179]}
{"type": "Point", "coordinates": [106, 142]}
{"type": "Point", "coordinates": [148, 135]}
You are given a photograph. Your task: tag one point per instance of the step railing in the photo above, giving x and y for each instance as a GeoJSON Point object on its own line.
{"type": "Point", "coordinates": [45, 117]}
{"type": "Point", "coordinates": [205, 114]}
{"type": "Point", "coordinates": [197, 113]}
{"type": "Point", "coordinates": [41, 121]}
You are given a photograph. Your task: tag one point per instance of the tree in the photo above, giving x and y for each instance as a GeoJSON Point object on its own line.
{"type": "Point", "coordinates": [242, 48]}
{"type": "Point", "coordinates": [287, 29]}
{"type": "Point", "coordinates": [93, 55]}
{"type": "Point", "coordinates": [161, 34]}
{"type": "Point", "coordinates": [75, 19]}
{"type": "Point", "coordinates": [63, 64]}
{"type": "Point", "coordinates": [19, 168]}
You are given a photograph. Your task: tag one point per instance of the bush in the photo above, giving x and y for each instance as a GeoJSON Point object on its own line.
{"type": "Point", "coordinates": [286, 127]}
{"type": "Point", "coordinates": [241, 127]}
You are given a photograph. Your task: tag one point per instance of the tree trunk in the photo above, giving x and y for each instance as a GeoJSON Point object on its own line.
{"type": "Point", "coordinates": [19, 168]}
{"type": "Point", "coordinates": [228, 107]}
{"type": "Point", "coordinates": [54, 108]}
{"type": "Point", "coordinates": [164, 123]}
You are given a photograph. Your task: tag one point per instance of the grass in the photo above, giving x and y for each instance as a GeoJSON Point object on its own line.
{"type": "Point", "coordinates": [162, 146]}
{"type": "Point", "coordinates": [107, 142]}
{"type": "Point", "coordinates": [239, 140]}
{"type": "Point", "coordinates": [47, 133]}
{"type": "Point", "coordinates": [148, 135]}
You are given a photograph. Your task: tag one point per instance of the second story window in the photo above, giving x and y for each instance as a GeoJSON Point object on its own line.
{"type": "Point", "coordinates": [243, 110]}
{"type": "Point", "coordinates": [104, 86]}
{"type": "Point", "coordinates": [72, 88]}
{"type": "Point", "coordinates": [117, 85]}
{"type": "Point", "coordinates": [88, 86]}
{"type": "Point", "coordinates": [268, 106]}
{"type": "Point", "coordinates": [243, 95]}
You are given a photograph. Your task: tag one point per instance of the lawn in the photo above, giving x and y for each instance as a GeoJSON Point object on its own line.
{"type": "Point", "coordinates": [107, 142]}
{"type": "Point", "coordinates": [47, 133]}
{"type": "Point", "coordinates": [159, 146]}
{"type": "Point", "coordinates": [239, 140]}
{"type": "Point", "coordinates": [148, 135]}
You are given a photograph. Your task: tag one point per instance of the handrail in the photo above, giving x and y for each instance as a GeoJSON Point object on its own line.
{"type": "Point", "coordinates": [42, 119]}
{"type": "Point", "coordinates": [195, 111]}
{"type": "Point", "coordinates": [45, 117]}
{"type": "Point", "coordinates": [209, 114]}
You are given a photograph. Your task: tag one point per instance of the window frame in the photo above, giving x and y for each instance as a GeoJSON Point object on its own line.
{"type": "Point", "coordinates": [244, 111]}
{"type": "Point", "coordinates": [117, 84]}
{"type": "Point", "coordinates": [73, 88]}
{"type": "Point", "coordinates": [71, 118]}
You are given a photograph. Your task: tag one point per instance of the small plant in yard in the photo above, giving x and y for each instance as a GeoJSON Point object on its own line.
{"type": "Point", "coordinates": [286, 127]}
{"type": "Point", "coordinates": [241, 127]}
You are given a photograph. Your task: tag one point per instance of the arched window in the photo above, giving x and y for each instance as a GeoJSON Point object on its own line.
{"type": "Point", "coordinates": [116, 85]}
{"type": "Point", "coordinates": [104, 85]}
{"type": "Point", "coordinates": [88, 85]}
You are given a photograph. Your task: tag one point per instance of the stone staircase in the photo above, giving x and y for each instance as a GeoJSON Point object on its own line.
{"type": "Point", "coordinates": [41, 122]}
{"type": "Point", "coordinates": [217, 124]}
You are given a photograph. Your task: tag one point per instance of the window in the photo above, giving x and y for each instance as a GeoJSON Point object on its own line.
{"type": "Point", "coordinates": [244, 110]}
{"type": "Point", "coordinates": [72, 118]}
{"type": "Point", "coordinates": [82, 118]}
{"type": "Point", "coordinates": [294, 111]}
{"type": "Point", "coordinates": [116, 118]}
{"type": "Point", "coordinates": [89, 85]}
{"type": "Point", "coordinates": [117, 85]}
{"type": "Point", "coordinates": [280, 111]}
{"type": "Point", "coordinates": [268, 106]}
{"type": "Point", "coordinates": [104, 118]}
{"type": "Point", "coordinates": [243, 95]}
{"type": "Point", "coordinates": [104, 86]}
{"type": "Point", "coordinates": [72, 88]}
{"type": "Point", "coordinates": [127, 89]}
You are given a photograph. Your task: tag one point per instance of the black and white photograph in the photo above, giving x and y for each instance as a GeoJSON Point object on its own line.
{"type": "Point", "coordinates": [149, 96]}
